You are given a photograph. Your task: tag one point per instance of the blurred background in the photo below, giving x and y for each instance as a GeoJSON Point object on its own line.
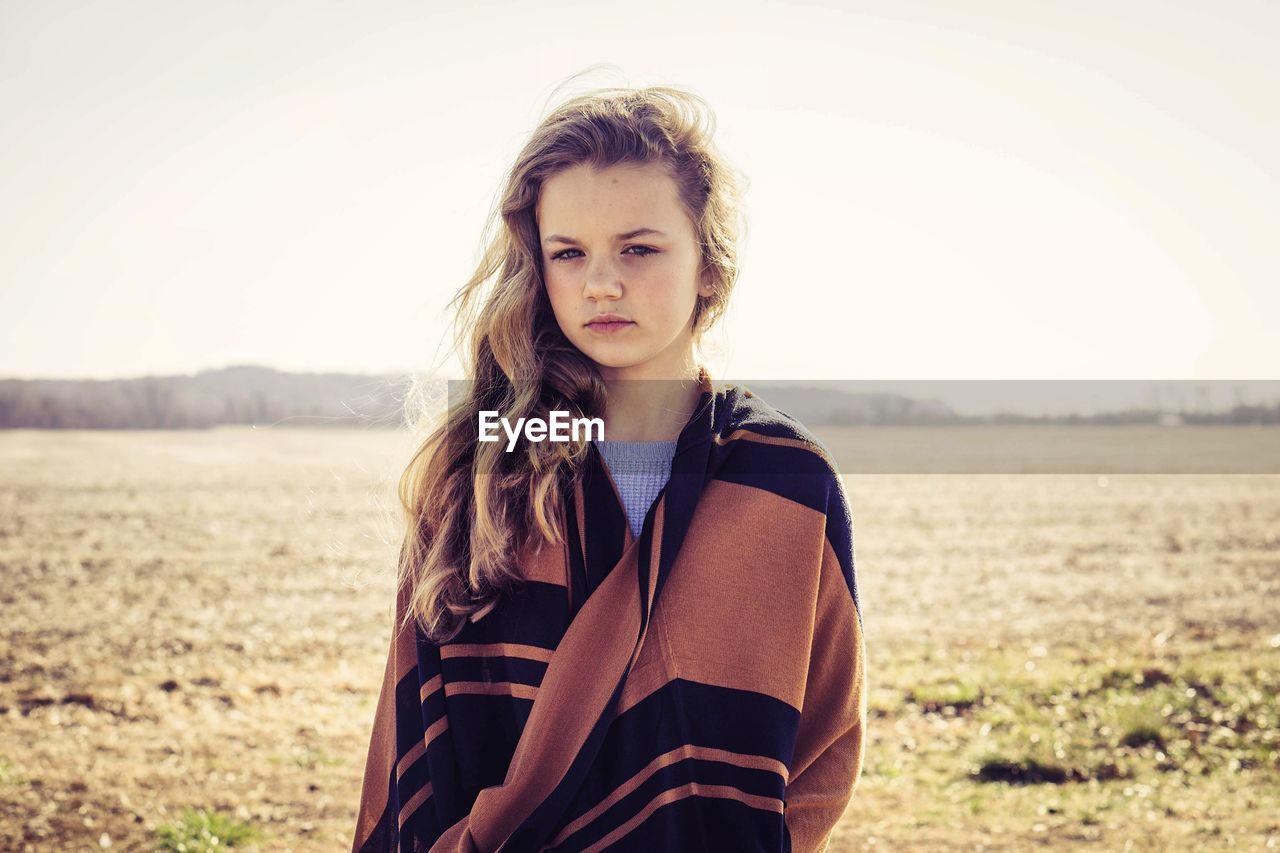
{"type": "Point", "coordinates": [1014, 263]}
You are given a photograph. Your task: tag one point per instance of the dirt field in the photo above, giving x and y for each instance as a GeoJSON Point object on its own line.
{"type": "Point", "coordinates": [199, 620]}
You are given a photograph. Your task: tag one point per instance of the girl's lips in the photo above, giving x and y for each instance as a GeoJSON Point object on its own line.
{"type": "Point", "coordinates": [608, 327]}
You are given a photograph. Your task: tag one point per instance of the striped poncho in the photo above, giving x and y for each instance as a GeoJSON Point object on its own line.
{"type": "Point", "coordinates": [699, 687]}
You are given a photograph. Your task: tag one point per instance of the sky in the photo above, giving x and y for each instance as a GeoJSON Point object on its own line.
{"type": "Point", "coordinates": [937, 190]}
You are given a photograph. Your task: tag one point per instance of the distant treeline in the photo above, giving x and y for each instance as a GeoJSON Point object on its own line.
{"type": "Point", "coordinates": [835, 407]}
{"type": "Point", "coordinates": [233, 395]}
{"type": "Point", "coordinates": [264, 396]}
{"type": "Point", "coordinates": [1240, 415]}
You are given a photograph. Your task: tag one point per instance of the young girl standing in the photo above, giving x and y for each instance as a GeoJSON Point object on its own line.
{"type": "Point", "coordinates": [650, 641]}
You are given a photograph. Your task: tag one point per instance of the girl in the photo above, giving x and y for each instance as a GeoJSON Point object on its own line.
{"type": "Point", "coordinates": [651, 642]}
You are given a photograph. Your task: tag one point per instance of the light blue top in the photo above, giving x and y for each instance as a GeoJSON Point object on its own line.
{"type": "Point", "coordinates": [640, 469]}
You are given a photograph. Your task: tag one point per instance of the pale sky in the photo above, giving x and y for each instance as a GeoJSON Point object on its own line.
{"type": "Point", "coordinates": [939, 190]}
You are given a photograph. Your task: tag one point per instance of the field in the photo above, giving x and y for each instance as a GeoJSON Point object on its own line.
{"type": "Point", "coordinates": [198, 621]}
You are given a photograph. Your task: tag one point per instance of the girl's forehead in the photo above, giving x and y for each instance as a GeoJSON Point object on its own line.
{"type": "Point", "coordinates": [607, 202]}
{"type": "Point", "coordinates": [625, 181]}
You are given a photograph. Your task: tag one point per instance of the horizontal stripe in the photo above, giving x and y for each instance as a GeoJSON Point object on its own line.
{"type": "Point", "coordinates": [419, 750]}
{"type": "Point", "coordinates": [702, 824]}
{"type": "Point", "coordinates": [415, 802]}
{"type": "Point", "coordinates": [686, 751]}
{"type": "Point", "coordinates": [514, 650]}
{"type": "Point", "coordinates": [691, 723]}
{"type": "Point", "coordinates": [800, 476]}
{"type": "Point", "coordinates": [747, 435]}
{"type": "Point", "coordinates": [431, 685]}
{"type": "Point", "coordinates": [693, 789]}
{"type": "Point", "coordinates": [494, 669]}
{"type": "Point", "coordinates": [492, 688]}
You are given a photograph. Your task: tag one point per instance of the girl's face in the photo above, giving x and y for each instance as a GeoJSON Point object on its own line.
{"type": "Point", "coordinates": [618, 241]}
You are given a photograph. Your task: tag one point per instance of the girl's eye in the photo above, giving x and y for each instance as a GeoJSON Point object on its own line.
{"type": "Point", "coordinates": [562, 255]}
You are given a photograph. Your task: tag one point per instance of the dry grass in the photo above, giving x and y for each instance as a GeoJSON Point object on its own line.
{"type": "Point", "coordinates": [199, 621]}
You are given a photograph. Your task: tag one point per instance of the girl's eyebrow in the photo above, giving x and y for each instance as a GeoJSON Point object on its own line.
{"type": "Point", "coordinates": [558, 238]}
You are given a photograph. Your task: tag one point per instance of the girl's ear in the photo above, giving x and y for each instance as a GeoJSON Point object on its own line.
{"type": "Point", "coordinates": [704, 284]}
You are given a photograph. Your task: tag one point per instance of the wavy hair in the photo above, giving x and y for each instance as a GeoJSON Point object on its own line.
{"type": "Point", "coordinates": [472, 507]}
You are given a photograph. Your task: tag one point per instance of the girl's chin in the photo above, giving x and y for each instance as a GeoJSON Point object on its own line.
{"type": "Point", "coordinates": [617, 361]}
{"type": "Point", "coordinates": [613, 355]}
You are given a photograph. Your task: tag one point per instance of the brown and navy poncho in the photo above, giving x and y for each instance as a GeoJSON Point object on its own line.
{"type": "Point", "coordinates": [701, 687]}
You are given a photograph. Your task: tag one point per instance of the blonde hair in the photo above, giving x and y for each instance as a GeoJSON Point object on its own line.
{"type": "Point", "coordinates": [471, 506]}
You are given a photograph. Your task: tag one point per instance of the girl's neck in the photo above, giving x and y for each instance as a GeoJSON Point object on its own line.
{"type": "Point", "coordinates": [649, 409]}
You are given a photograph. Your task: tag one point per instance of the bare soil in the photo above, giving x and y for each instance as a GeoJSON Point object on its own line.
{"type": "Point", "coordinates": [200, 619]}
